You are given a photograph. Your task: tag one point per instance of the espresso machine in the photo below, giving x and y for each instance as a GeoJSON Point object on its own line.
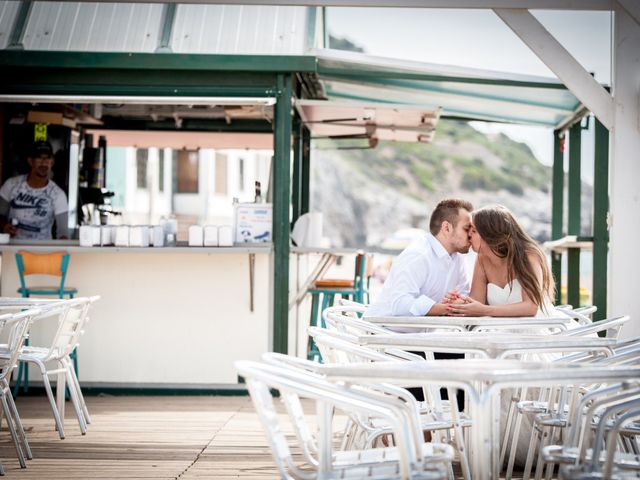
{"type": "Point", "coordinates": [94, 200]}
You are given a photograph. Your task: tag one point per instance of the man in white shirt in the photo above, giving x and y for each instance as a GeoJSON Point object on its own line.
{"type": "Point", "coordinates": [427, 270]}
{"type": "Point", "coordinates": [29, 204]}
{"type": "Point", "coordinates": [430, 267]}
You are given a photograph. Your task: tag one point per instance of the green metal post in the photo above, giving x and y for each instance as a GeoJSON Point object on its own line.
{"type": "Point", "coordinates": [19, 26]}
{"type": "Point", "coordinates": [557, 201]}
{"type": "Point", "coordinates": [306, 171]}
{"type": "Point", "coordinates": [573, 254]}
{"type": "Point", "coordinates": [297, 170]}
{"type": "Point", "coordinates": [600, 226]}
{"type": "Point", "coordinates": [168, 20]}
{"type": "Point", "coordinates": [281, 196]}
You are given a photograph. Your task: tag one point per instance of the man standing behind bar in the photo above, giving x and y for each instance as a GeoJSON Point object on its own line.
{"type": "Point", "coordinates": [430, 267]}
{"type": "Point", "coordinates": [29, 204]}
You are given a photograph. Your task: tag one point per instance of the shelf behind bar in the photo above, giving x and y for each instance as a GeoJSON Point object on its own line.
{"type": "Point", "coordinates": [569, 241]}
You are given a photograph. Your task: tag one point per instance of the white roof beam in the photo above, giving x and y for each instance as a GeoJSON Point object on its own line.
{"type": "Point", "coordinates": [472, 4]}
{"type": "Point", "coordinates": [593, 95]}
{"type": "Point", "coordinates": [632, 7]}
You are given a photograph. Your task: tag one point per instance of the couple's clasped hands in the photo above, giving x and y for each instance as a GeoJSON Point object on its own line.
{"type": "Point", "coordinates": [463, 306]}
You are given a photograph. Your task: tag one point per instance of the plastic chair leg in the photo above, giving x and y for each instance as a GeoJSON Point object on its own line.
{"type": "Point", "coordinates": [22, 378]}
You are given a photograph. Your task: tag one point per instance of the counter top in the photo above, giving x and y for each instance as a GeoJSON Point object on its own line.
{"type": "Point", "coordinates": [73, 246]}
{"type": "Point", "coordinates": [343, 251]}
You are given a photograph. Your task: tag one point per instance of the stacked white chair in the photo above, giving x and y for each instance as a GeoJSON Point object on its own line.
{"type": "Point", "coordinates": [410, 458]}
{"type": "Point", "coordinates": [54, 360]}
{"type": "Point", "coordinates": [16, 328]}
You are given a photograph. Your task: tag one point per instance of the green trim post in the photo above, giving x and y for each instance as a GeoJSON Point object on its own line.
{"type": "Point", "coordinates": [19, 26]}
{"type": "Point", "coordinates": [600, 225]}
{"type": "Point", "coordinates": [297, 170]}
{"type": "Point", "coordinates": [281, 196]}
{"type": "Point", "coordinates": [306, 171]}
{"type": "Point", "coordinates": [168, 18]}
{"type": "Point", "coordinates": [557, 204]}
{"type": "Point", "coordinates": [575, 183]}
{"type": "Point", "coordinates": [312, 22]}
{"type": "Point", "coordinates": [325, 30]}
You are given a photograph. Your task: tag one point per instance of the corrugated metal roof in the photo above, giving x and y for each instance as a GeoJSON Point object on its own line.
{"type": "Point", "coordinates": [137, 27]}
{"type": "Point", "coordinates": [8, 12]}
{"type": "Point", "coordinates": [97, 27]}
{"type": "Point", "coordinates": [264, 30]}
{"type": "Point", "coordinates": [239, 29]}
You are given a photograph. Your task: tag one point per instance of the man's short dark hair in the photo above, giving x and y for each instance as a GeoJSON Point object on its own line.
{"type": "Point", "coordinates": [449, 210]}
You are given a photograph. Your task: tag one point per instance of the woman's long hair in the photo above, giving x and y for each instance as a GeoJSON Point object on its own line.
{"type": "Point", "coordinates": [506, 238]}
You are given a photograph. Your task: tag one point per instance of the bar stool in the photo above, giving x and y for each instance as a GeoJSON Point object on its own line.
{"type": "Point", "coordinates": [327, 289]}
{"type": "Point", "coordinates": [52, 264]}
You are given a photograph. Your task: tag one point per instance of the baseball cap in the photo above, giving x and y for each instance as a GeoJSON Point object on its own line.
{"type": "Point", "coordinates": [41, 148]}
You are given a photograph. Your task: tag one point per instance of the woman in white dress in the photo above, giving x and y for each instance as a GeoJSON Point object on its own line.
{"type": "Point", "coordinates": [511, 277]}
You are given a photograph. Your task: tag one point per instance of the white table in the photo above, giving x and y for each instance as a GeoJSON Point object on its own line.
{"type": "Point", "coordinates": [473, 323]}
{"type": "Point", "coordinates": [482, 380]}
{"type": "Point", "coordinates": [489, 345]}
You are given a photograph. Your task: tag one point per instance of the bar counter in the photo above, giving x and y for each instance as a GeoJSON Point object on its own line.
{"type": "Point", "coordinates": [168, 317]}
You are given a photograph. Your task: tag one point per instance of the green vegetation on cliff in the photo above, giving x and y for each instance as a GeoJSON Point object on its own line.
{"type": "Point", "coordinates": [460, 158]}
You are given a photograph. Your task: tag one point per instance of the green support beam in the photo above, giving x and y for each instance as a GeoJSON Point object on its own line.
{"type": "Point", "coordinates": [297, 170]}
{"type": "Point", "coordinates": [19, 26]}
{"type": "Point", "coordinates": [168, 19]}
{"type": "Point", "coordinates": [305, 176]}
{"type": "Point", "coordinates": [600, 225]}
{"type": "Point", "coordinates": [281, 196]}
{"type": "Point", "coordinates": [108, 81]}
{"type": "Point", "coordinates": [154, 62]}
{"type": "Point", "coordinates": [557, 208]}
{"type": "Point", "coordinates": [574, 224]}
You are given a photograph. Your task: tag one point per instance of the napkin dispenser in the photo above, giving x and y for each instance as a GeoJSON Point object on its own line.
{"type": "Point", "coordinates": [139, 236]}
{"type": "Point", "coordinates": [210, 236]}
{"type": "Point", "coordinates": [225, 236]}
{"type": "Point", "coordinates": [86, 236]}
{"type": "Point", "coordinates": [157, 236]}
{"type": "Point", "coordinates": [107, 235]}
{"type": "Point", "coordinates": [196, 236]}
{"type": "Point", "coordinates": [122, 236]}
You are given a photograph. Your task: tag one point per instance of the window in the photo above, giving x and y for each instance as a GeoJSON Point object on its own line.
{"type": "Point", "coordinates": [161, 170]}
{"type": "Point", "coordinates": [187, 171]}
{"type": "Point", "coordinates": [221, 174]}
{"type": "Point", "coordinates": [142, 158]}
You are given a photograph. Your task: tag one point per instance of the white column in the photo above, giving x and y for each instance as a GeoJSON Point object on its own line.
{"type": "Point", "coordinates": [624, 258]}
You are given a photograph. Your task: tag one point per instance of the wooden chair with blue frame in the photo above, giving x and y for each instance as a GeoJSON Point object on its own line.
{"type": "Point", "coordinates": [324, 291]}
{"type": "Point", "coordinates": [50, 264]}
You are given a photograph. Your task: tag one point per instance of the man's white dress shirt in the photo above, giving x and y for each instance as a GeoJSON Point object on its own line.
{"type": "Point", "coordinates": [420, 277]}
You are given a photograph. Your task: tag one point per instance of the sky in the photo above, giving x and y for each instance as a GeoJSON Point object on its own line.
{"type": "Point", "coordinates": [479, 39]}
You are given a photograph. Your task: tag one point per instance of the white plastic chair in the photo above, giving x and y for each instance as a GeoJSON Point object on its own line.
{"type": "Point", "coordinates": [436, 415]}
{"type": "Point", "coordinates": [410, 459]}
{"type": "Point", "coordinates": [17, 326]}
{"type": "Point", "coordinates": [553, 409]}
{"type": "Point", "coordinates": [71, 316]}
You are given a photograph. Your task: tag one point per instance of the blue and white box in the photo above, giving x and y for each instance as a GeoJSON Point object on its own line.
{"type": "Point", "coordinates": [253, 222]}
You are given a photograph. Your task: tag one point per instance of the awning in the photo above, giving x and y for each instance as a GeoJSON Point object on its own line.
{"type": "Point", "coordinates": [341, 120]}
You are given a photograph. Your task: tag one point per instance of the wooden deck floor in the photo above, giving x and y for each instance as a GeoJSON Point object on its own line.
{"type": "Point", "coordinates": [144, 437]}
